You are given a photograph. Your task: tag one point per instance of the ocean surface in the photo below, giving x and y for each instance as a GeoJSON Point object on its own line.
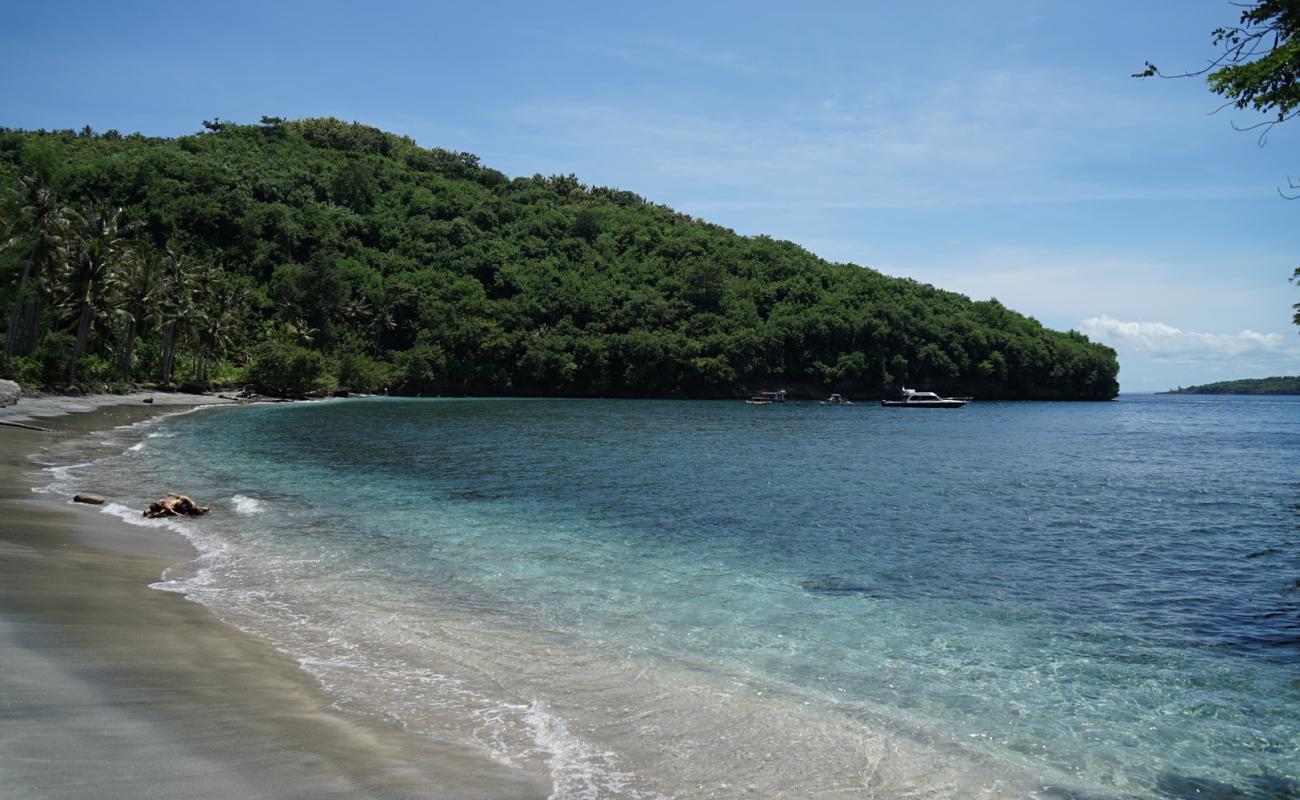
{"type": "Point", "coordinates": [708, 599]}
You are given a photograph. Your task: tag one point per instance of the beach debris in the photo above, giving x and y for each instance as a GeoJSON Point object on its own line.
{"type": "Point", "coordinates": [175, 505]}
{"type": "Point", "coordinates": [11, 424]}
{"type": "Point", "coordinates": [92, 499]}
{"type": "Point", "coordinates": [147, 400]}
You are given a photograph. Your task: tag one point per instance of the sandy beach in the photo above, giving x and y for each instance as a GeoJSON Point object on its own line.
{"type": "Point", "coordinates": [110, 689]}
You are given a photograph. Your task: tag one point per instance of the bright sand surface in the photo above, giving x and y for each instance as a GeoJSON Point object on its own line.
{"type": "Point", "coordinates": [110, 689]}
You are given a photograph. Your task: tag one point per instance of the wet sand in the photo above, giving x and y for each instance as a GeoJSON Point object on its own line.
{"type": "Point", "coordinates": [110, 689]}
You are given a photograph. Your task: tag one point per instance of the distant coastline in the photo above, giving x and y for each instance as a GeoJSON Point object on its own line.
{"type": "Point", "coordinates": [1289, 384]}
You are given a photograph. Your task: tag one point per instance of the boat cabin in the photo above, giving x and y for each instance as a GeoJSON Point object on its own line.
{"type": "Point", "coordinates": [915, 399]}
{"type": "Point", "coordinates": [763, 398]}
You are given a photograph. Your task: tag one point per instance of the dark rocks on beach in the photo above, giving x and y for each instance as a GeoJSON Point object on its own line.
{"type": "Point", "coordinates": [9, 393]}
{"type": "Point", "coordinates": [175, 505]}
{"type": "Point", "coordinates": [148, 400]}
{"type": "Point", "coordinates": [92, 499]}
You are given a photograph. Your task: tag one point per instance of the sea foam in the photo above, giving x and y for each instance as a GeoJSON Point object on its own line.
{"type": "Point", "coordinates": [247, 505]}
{"type": "Point", "coordinates": [134, 517]}
{"type": "Point", "coordinates": [577, 769]}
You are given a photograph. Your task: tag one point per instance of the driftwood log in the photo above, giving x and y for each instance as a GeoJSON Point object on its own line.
{"type": "Point", "coordinates": [25, 426]}
{"type": "Point", "coordinates": [175, 505]}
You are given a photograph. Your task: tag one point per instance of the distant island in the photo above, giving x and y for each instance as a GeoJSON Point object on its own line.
{"type": "Point", "coordinates": [315, 255]}
{"type": "Point", "coordinates": [1278, 385]}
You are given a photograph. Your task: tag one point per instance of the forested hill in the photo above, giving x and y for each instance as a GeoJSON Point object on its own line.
{"type": "Point", "coordinates": [317, 253]}
{"type": "Point", "coordinates": [1275, 385]}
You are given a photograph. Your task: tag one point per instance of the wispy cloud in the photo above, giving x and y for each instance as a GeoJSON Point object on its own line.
{"type": "Point", "coordinates": [991, 137]}
{"type": "Point", "coordinates": [673, 53]}
{"type": "Point", "coordinates": [1159, 341]}
{"type": "Point", "coordinates": [1063, 284]}
{"type": "Point", "coordinates": [711, 56]}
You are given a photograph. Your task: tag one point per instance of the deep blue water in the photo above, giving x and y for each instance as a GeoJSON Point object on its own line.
{"type": "Point", "coordinates": [684, 598]}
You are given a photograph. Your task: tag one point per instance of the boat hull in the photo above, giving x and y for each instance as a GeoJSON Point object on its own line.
{"type": "Point", "coordinates": [923, 404]}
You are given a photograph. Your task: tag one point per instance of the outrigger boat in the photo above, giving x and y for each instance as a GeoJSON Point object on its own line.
{"type": "Point", "coordinates": [767, 398]}
{"type": "Point", "coordinates": [915, 399]}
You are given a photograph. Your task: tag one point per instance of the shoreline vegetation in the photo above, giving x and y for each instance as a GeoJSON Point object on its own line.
{"type": "Point", "coordinates": [141, 693]}
{"type": "Point", "coordinates": [1278, 385]}
{"type": "Point", "coordinates": [311, 255]}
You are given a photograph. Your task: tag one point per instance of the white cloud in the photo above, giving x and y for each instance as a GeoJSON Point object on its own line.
{"type": "Point", "coordinates": [1160, 341]}
{"type": "Point", "coordinates": [1154, 356]}
{"type": "Point", "coordinates": [1064, 284]}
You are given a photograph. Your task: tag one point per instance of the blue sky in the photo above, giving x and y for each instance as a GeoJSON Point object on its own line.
{"type": "Point", "coordinates": [999, 148]}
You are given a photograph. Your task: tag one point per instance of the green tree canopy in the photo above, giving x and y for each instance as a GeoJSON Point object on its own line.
{"type": "Point", "coordinates": [1258, 65]}
{"type": "Point", "coordinates": [296, 254]}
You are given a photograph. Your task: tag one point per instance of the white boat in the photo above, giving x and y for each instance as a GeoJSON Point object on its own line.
{"type": "Point", "coordinates": [836, 400]}
{"type": "Point", "coordinates": [914, 399]}
{"type": "Point", "coordinates": [767, 398]}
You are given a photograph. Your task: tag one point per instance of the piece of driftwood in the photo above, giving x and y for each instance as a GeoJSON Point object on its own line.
{"type": "Point", "coordinates": [26, 427]}
{"type": "Point", "coordinates": [175, 505]}
{"type": "Point", "coordinates": [92, 499]}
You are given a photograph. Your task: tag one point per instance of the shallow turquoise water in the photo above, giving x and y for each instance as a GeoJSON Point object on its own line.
{"type": "Point", "coordinates": [705, 599]}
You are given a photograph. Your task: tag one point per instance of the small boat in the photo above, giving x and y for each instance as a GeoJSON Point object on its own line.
{"type": "Point", "coordinates": [836, 400]}
{"type": "Point", "coordinates": [915, 399]}
{"type": "Point", "coordinates": [767, 398]}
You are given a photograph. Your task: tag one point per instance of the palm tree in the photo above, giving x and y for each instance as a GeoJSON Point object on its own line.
{"type": "Point", "coordinates": [141, 282]}
{"type": "Point", "coordinates": [222, 308]}
{"type": "Point", "coordinates": [363, 314]}
{"type": "Point", "coordinates": [299, 332]}
{"type": "Point", "coordinates": [99, 254]}
{"type": "Point", "coordinates": [206, 307]}
{"type": "Point", "coordinates": [174, 307]}
{"type": "Point", "coordinates": [9, 235]}
{"type": "Point", "coordinates": [45, 225]}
